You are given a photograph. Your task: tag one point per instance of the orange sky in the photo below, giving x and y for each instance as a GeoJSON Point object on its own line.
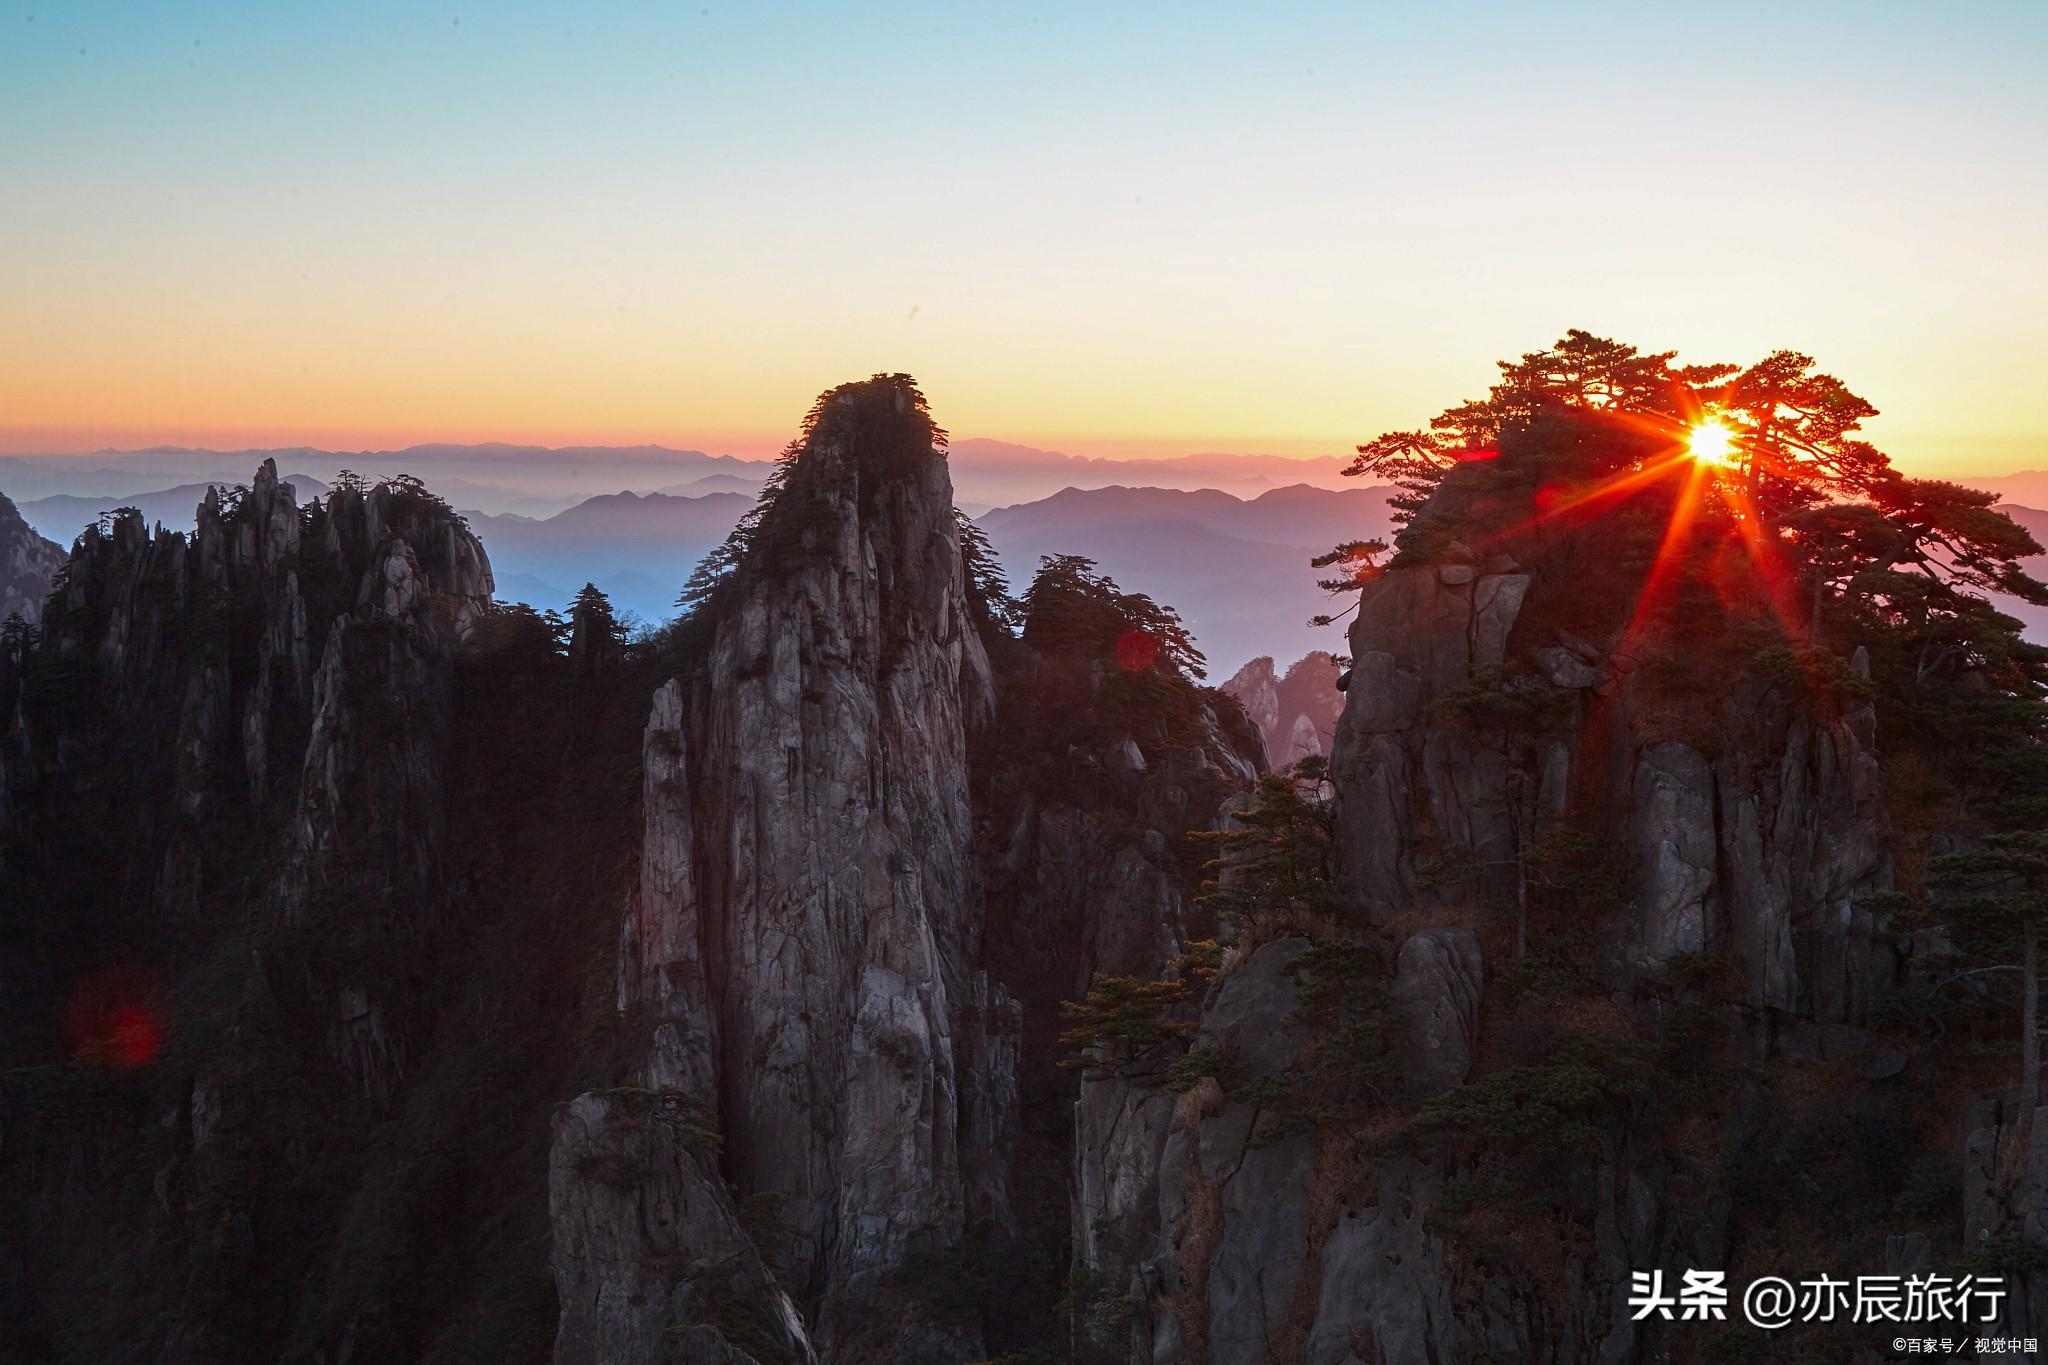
{"type": "Point", "coordinates": [1146, 232]}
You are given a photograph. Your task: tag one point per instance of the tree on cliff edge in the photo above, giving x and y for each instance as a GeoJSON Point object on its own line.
{"type": "Point", "coordinates": [1848, 530]}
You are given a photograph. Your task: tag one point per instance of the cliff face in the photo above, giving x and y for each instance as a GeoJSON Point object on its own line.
{"type": "Point", "coordinates": [1600, 884]}
{"type": "Point", "coordinates": [805, 941]}
{"type": "Point", "coordinates": [27, 565]}
{"type": "Point", "coordinates": [1296, 712]}
{"type": "Point", "coordinates": [326, 1039]}
{"type": "Point", "coordinates": [225, 797]}
{"type": "Point", "coordinates": [281, 645]}
{"type": "Point", "coordinates": [866, 882]}
{"type": "Point", "coordinates": [428, 992]}
{"type": "Point", "coordinates": [1761, 852]}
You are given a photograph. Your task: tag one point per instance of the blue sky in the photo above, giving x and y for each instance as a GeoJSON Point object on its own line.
{"type": "Point", "coordinates": [1146, 230]}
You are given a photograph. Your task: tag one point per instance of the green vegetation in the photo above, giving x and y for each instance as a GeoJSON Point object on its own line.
{"type": "Point", "coordinates": [1070, 608]}
{"type": "Point", "coordinates": [1833, 536]}
{"type": "Point", "coordinates": [1124, 1026]}
{"type": "Point", "coordinates": [1494, 699]}
{"type": "Point", "coordinates": [1097, 666]}
{"type": "Point", "coordinates": [988, 587]}
{"type": "Point", "coordinates": [1995, 904]}
{"type": "Point", "coordinates": [1277, 855]}
{"type": "Point", "coordinates": [1566, 1104]}
{"type": "Point", "coordinates": [597, 637]}
{"type": "Point", "coordinates": [889, 417]}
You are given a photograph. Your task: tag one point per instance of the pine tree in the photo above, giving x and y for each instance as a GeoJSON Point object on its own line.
{"type": "Point", "coordinates": [1277, 855]}
{"type": "Point", "coordinates": [988, 587]}
{"type": "Point", "coordinates": [1069, 606]}
{"type": "Point", "coordinates": [597, 638]}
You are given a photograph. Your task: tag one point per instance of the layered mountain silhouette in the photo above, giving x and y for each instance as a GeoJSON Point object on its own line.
{"type": "Point", "coordinates": [541, 480]}
{"type": "Point", "coordinates": [1238, 570]}
{"type": "Point", "coordinates": [61, 516]}
{"type": "Point", "coordinates": [1234, 562]}
{"type": "Point", "coordinates": [638, 548]}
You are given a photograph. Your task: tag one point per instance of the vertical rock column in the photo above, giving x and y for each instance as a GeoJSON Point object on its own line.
{"type": "Point", "coordinates": [807, 928]}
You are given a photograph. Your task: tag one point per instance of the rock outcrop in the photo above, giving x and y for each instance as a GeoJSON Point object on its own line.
{"type": "Point", "coordinates": [229, 755]}
{"type": "Point", "coordinates": [1296, 713]}
{"type": "Point", "coordinates": [1762, 852]}
{"type": "Point", "coordinates": [28, 564]}
{"type": "Point", "coordinates": [869, 873]}
{"type": "Point", "coordinates": [425, 992]}
{"type": "Point", "coordinates": [805, 942]}
{"type": "Point", "coordinates": [321, 856]}
{"type": "Point", "coordinates": [1497, 751]}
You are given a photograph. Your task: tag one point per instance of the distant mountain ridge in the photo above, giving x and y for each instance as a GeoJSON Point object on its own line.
{"type": "Point", "coordinates": [1236, 569]}
{"type": "Point", "coordinates": [534, 480]}
{"type": "Point", "coordinates": [1002, 471]}
{"type": "Point", "coordinates": [541, 480]}
{"type": "Point", "coordinates": [2036, 522]}
{"type": "Point", "coordinates": [637, 547]}
{"type": "Point", "coordinates": [62, 516]}
{"type": "Point", "coordinates": [1234, 565]}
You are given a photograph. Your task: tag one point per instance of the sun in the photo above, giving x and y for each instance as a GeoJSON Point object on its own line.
{"type": "Point", "coordinates": [1711, 443]}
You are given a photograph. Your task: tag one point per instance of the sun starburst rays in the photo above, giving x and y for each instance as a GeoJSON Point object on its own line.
{"type": "Point", "coordinates": [1700, 454]}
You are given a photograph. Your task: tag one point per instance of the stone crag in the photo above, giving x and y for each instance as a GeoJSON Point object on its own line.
{"type": "Point", "coordinates": [805, 938]}
{"type": "Point", "coordinates": [28, 563]}
{"type": "Point", "coordinates": [1709, 862]}
{"type": "Point", "coordinates": [226, 797]}
{"type": "Point", "coordinates": [1296, 712]}
{"type": "Point", "coordinates": [841, 917]}
{"type": "Point", "coordinates": [386, 982]}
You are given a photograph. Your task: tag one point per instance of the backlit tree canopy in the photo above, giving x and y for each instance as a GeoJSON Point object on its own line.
{"type": "Point", "coordinates": [1791, 478]}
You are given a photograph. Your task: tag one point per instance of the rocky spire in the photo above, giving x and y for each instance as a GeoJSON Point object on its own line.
{"type": "Point", "coordinates": [806, 934]}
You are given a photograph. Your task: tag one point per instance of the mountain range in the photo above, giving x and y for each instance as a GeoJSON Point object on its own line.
{"type": "Point", "coordinates": [1234, 565]}
{"type": "Point", "coordinates": [837, 978]}
{"type": "Point", "coordinates": [1237, 570]}
{"type": "Point", "coordinates": [538, 481]}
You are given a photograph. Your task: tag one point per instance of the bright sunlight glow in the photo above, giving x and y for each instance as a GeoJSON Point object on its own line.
{"type": "Point", "coordinates": [1711, 443]}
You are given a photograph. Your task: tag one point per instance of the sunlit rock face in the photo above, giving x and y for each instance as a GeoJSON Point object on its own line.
{"type": "Point", "coordinates": [1759, 853]}
{"type": "Point", "coordinates": [1749, 831]}
{"type": "Point", "coordinates": [1419, 634]}
{"type": "Point", "coordinates": [27, 564]}
{"type": "Point", "coordinates": [806, 936]}
{"type": "Point", "coordinates": [1296, 713]}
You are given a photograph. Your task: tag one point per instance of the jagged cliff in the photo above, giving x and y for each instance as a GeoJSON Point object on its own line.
{"type": "Point", "coordinates": [328, 1040]}
{"type": "Point", "coordinates": [228, 792]}
{"type": "Point", "coordinates": [390, 976]}
{"type": "Point", "coordinates": [1614, 924]}
{"type": "Point", "coordinates": [1297, 711]}
{"type": "Point", "coordinates": [805, 940]}
{"type": "Point", "coordinates": [27, 565]}
{"type": "Point", "coordinates": [838, 908]}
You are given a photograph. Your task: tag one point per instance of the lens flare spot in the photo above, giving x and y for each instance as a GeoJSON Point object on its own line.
{"type": "Point", "coordinates": [1135, 651]}
{"type": "Point", "coordinates": [115, 1019]}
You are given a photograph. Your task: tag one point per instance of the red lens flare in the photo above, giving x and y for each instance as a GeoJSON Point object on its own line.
{"type": "Point", "coordinates": [1136, 651]}
{"type": "Point", "coordinates": [114, 1019]}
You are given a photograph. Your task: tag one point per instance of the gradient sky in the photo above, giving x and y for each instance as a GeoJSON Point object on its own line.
{"type": "Point", "coordinates": [1107, 229]}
